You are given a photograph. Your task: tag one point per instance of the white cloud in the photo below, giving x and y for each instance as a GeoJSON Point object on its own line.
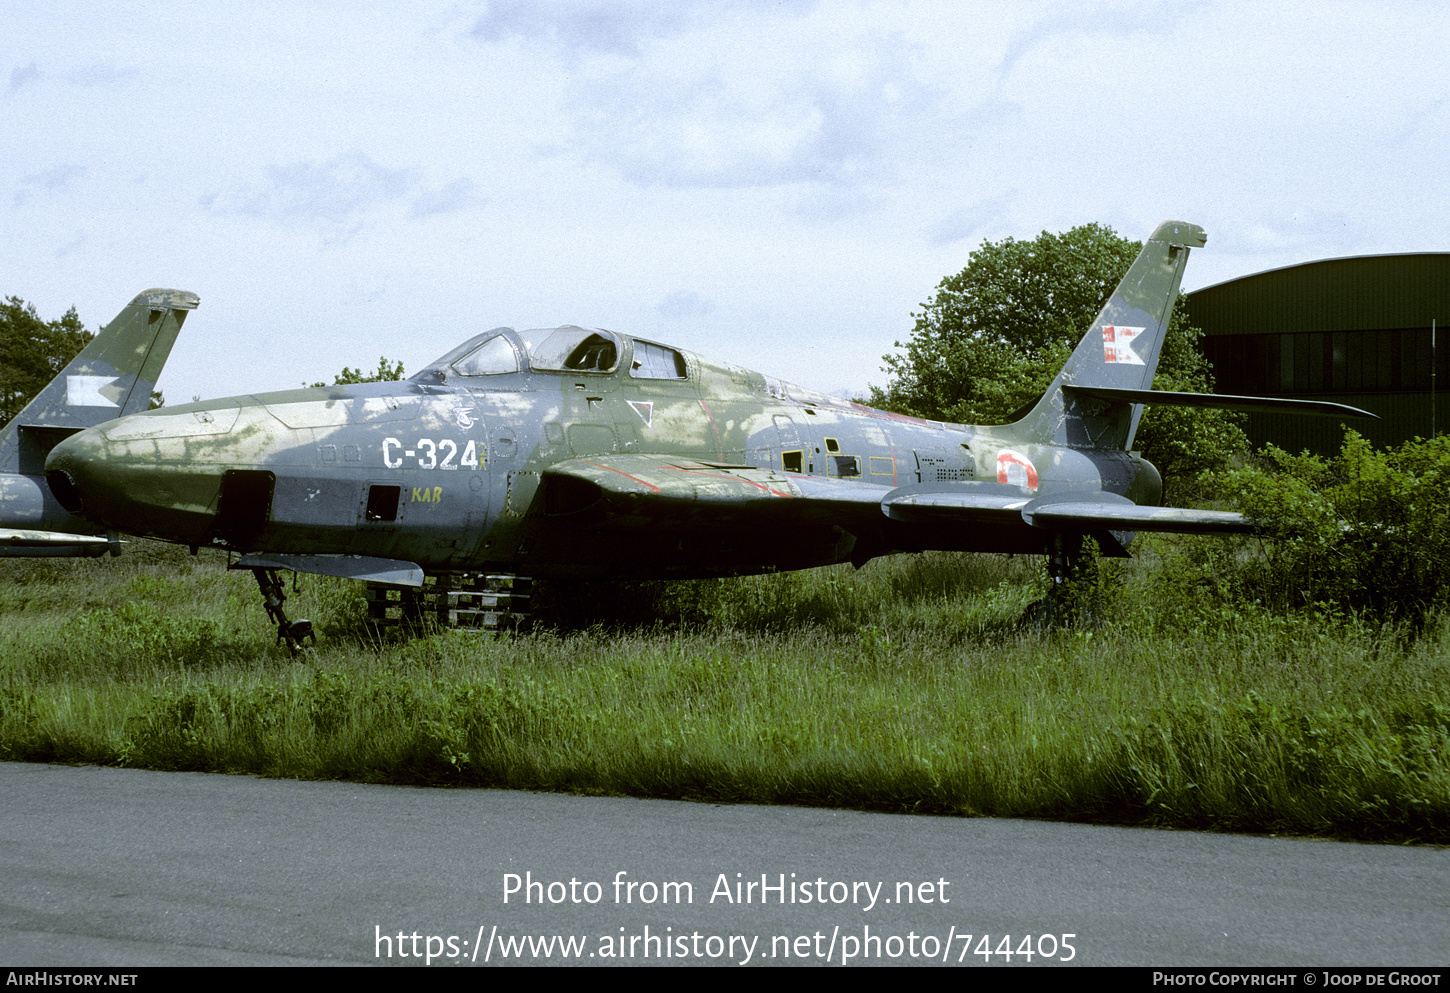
{"type": "Point", "coordinates": [103, 75]}
{"type": "Point", "coordinates": [726, 96]}
{"type": "Point", "coordinates": [619, 27]}
{"type": "Point", "coordinates": [778, 185]}
{"type": "Point", "coordinates": [47, 181]}
{"type": "Point", "coordinates": [457, 195]}
{"type": "Point", "coordinates": [968, 221]}
{"type": "Point", "coordinates": [22, 76]}
{"type": "Point", "coordinates": [334, 191]}
{"type": "Point", "coordinates": [335, 196]}
{"type": "Point", "coordinates": [684, 304]}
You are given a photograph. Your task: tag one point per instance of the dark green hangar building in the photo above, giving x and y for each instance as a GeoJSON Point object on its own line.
{"type": "Point", "coordinates": [1368, 331]}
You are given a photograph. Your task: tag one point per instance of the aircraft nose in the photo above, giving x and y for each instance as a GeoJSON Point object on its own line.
{"type": "Point", "coordinates": [75, 459]}
{"type": "Point", "coordinates": [116, 486]}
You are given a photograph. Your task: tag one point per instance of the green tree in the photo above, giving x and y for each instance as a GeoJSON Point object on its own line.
{"type": "Point", "coordinates": [386, 372]}
{"type": "Point", "coordinates": [995, 334]}
{"type": "Point", "coordinates": [33, 352]}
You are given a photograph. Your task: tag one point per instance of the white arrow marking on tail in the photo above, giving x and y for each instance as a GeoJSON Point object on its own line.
{"type": "Point", "coordinates": [85, 391]}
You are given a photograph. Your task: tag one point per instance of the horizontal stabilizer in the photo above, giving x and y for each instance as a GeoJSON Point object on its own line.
{"type": "Point", "coordinates": [1261, 405]}
{"type": "Point", "coordinates": [1110, 512]}
{"type": "Point", "coordinates": [987, 503]}
{"type": "Point", "coordinates": [393, 572]}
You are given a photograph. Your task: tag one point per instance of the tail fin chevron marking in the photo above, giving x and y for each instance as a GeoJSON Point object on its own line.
{"type": "Point", "coordinates": [1117, 344]}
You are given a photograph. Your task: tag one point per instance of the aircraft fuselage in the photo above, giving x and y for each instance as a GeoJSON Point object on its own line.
{"type": "Point", "coordinates": [452, 471]}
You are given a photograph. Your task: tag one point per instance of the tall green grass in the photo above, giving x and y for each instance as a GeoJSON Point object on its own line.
{"type": "Point", "coordinates": [905, 686]}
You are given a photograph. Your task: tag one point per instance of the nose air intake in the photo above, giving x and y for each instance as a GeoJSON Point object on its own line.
{"type": "Point", "coordinates": [70, 471]}
{"type": "Point", "coordinates": [65, 491]}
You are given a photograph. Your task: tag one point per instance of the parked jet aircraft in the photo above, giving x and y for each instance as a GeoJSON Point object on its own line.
{"type": "Point", "coordinates": [584, 453]}
{"type": "Point", "coordinates": [113, 376]}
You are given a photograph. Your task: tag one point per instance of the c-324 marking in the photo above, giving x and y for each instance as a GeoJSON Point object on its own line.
{"type": "Point", "coordinates": [431, 450]}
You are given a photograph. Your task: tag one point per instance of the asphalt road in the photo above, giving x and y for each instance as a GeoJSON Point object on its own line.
{"type": "Point", "coordinates": [121, 867]}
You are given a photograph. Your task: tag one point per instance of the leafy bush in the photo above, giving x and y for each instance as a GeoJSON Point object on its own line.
{"type": "Point", "coordinates": [1366, 531]}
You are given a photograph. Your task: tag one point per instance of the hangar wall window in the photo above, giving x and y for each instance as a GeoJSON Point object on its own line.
{"type": "Point", "coordinates": [1324, 361]}
{"type": "Point", "coordinates": [653, 361]}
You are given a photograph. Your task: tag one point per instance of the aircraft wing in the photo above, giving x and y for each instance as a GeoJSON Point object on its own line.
{"type": "Point", "coordinates": [620, 491]}
{"type": "Point", "coordinates": [624, 491]}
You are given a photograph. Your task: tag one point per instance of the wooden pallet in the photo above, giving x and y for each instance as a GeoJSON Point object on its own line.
{"type": "Point", "coordinates": [457, 600]}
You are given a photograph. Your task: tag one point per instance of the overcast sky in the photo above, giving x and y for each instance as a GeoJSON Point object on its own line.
{"type": "Point", "coordinates": [775, 183]}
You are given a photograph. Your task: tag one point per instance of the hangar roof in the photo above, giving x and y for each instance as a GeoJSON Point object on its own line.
{"type": "Point", "coordinates": [1363, 292]}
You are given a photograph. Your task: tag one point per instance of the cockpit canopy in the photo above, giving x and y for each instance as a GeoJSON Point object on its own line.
{"type": "Point", "coordinates": [572, 348]}
{"type": "Point", "coordinates": [565, 349]}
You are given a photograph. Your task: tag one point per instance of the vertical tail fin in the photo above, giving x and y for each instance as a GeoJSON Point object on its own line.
{"type": "Point", "coordinates": [113, 376]}
{"type": "Point", "coordinates": [1119, 351]}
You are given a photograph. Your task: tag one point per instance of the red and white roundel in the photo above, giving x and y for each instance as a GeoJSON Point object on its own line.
{"type": "Point", "coordinates": [1016, 468]}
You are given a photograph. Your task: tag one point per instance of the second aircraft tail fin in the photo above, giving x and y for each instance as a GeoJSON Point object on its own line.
{"type": "Point", "coordinates": [113, 376]}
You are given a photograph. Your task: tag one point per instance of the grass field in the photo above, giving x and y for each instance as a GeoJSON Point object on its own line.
{"type": "Point", "coordinates": [905, 686]}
